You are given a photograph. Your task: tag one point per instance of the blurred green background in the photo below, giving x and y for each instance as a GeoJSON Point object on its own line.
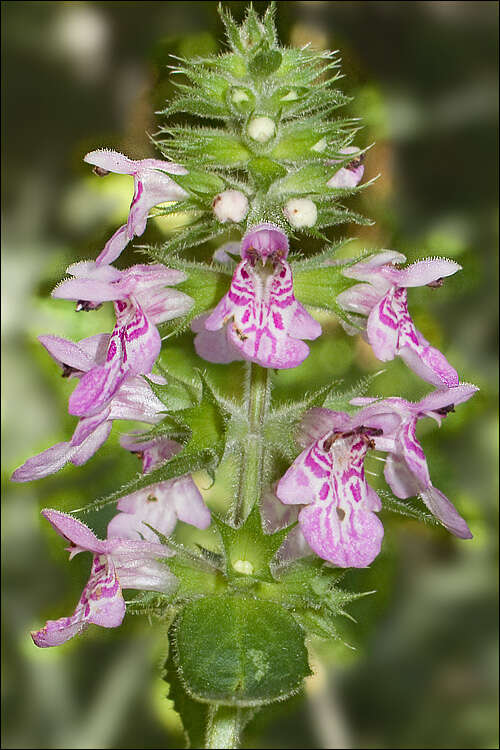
{"type": "Point", "coordinates": [81, 75]}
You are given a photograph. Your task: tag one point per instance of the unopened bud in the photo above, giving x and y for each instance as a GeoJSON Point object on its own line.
{"type": "Point", "coordinates": [261, 129]}
{"type": "Point", "coordinates": [292, 96]}
{"type": "Point", "coordinates": [243, 566]}
{"type": "Point", "coordinates": [231, 205]}
{"type": "Point", "coordinates": [319, 146]}
{"type": "Point", "coordinates": [301, 212]}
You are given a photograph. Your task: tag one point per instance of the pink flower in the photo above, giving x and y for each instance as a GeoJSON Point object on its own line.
{"type": "Point", "coordinates": [133, 400]}
{"type": "Point", "coordinates": [338, 521]}
{"type": "Point", "coordinates": [349, 175]}
{"type": "Point", "coordinates": [161, 504]}
{"type": "Point", "coordinates": [118, 562]}
{"type": "Point", "coordinates": [406, 470]}
{"type": "Point", "coordinates": [389, 328]}
{"type": "Point", "coordinates": [151, 187]}
{"type": "Point", "coordinates": [141, 302]}
{"type": "Point", "coordinates": [259, 319]}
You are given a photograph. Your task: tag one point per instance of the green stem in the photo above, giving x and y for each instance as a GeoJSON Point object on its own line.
{"type": "Point", "coordinates": [224, 727]}
{"type": "Point", "coordinates": [257, 392]}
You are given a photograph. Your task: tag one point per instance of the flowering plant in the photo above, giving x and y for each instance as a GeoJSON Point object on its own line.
{"type": "Point", "coordinates": [273, 172]}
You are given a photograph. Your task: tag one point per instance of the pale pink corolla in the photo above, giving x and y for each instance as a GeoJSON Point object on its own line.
{"type": "Point", "coordinates": [133, 400]}
{"type": "Point", "coordinates": [259, 319]}
{"type": "Point", "coordinates": [350, 174]}
{"type": "Point", "coordinates": [161, 504]}
{"type": "Point", "coordinates": [406, 470]}
{"type": "Point", "coordinates": [339, 521]}
{"type": "Point", "coordinates": [151, 187]}
{"type": "Point", "coordinates": [141, 302]}
{"type": "Point", "coordinates": [118, 563]}
{"type": "Point", "coordinates": [382, 297]}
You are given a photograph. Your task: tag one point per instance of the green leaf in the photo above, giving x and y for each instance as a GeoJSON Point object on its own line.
{"type": "Point", "coordinates": [234, 650]}
{"type": "Point", "coordinates": [194, 715]}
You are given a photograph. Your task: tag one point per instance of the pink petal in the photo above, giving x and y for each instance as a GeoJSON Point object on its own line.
{"type": "Point", "coordinates": [188, 502]}
{"type": "Point", "coordinates": [346, 178]}
{"type": "Point", "coordinates": [426, 271]}
{"type": "Point", "coordinates": [263, 308]}
{"type": "Point", "coordinates": [161, 305]}
{"type": "Point", "coordinates": [96, 347]}
{"type": "Point", "coordinates": [294, 547]}
{"type": "Point", "coordinates": [351, 542]}
{"type": "Point", "coordinates": [413, 453]}
{"type": "Point", "coordinates": [338, 523]}
{"type": "Point", "coordinates": [45, 463]}
{"type": "Point", "coordinates": [137, 566]}
{"type": "Point", "coordinates": [382, 328]}
{"type": "Point", "coordinates": [101, 603]}
{"type": "Point", "coordinates": [111, 161]}
{"type": "Point", "coordinates": [142, 278]}
{"type": "Point", "coordinates": [74, 531]}
{"type": "Point", "coordinates": [266, 239]}
{"type": "Point", "coordinates": [151, 188]}
{"type": "Point", "coordinates": [150, 505]}
{"type": "Point", "coordinates": [214, 346]}
{"type": "Point", "coordinates": [430, 364]}
{"type": "Point", "coordinates": [66, 352]}
{"type": "Point", "coordinates": [154, 452]}
{"type": "Point", "coordinates": [360, 298]}
{"type": "Point", "coordinates": [133, 348]}
{"type": "Point", "coordinates": [398, 475]}
{"type": "Point", "coordinates": [114, 246]}
{"type": "Point", "coordinates": [440, 506]}
{"type": "Point", "coordinates": [275, 515]}
{"type": "Point", "coordinates": [318, 422]}
{"type": "Point", "coordinates": [135, 401]}
{"type": "Point", "coordinates": [89, 269]}
{"type": "Point", "coordinates": [452, 396]}
{"type": "Point", "coordinates": [91, 445]}
{"type": "Point", "coordinates": [365, 270]}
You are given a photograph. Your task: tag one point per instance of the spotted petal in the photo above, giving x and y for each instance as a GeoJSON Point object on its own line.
{"type": "Point", "coordinates": [133, 349]}
{"type": "Point", "coordinates": [101, 603]}
{"type": "Point", "coordinates": [338, 522]}
{"type": "Point", "coordinates": [265, 322]}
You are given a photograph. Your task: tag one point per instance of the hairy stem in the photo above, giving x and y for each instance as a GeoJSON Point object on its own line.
{"type": "Point", "coordinates": [257, 396]}
{"type": "Point", "coordinates": [224, 727]}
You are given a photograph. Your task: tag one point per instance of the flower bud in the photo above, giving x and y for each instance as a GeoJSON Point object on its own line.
{"type": "Point", "coordinates": [231, 205]}
{"type": "Point", "coordinates": [261, 129]}
{"type": "Point", "coordinates": [301, 212]}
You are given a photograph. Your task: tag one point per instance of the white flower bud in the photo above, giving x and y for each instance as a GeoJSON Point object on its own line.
{"type": "Point", "coordinates": [261, 129]}
{"type": "Point", "coordinates": [301, 212]}
{"type": "Point", "coordinates": [231, 205]}
{"type": "Point", "coordinates": [319, 146]}
{"type": "Point", "coordinates": [239, 95]}
{"type": "Point", "coordinates": [292, 96]}
{"type": "Point", "coordinates": [243, 566]}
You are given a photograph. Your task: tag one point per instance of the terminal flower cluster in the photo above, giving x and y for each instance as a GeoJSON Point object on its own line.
{"type": "Point", "coordinates": [259, 181]}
